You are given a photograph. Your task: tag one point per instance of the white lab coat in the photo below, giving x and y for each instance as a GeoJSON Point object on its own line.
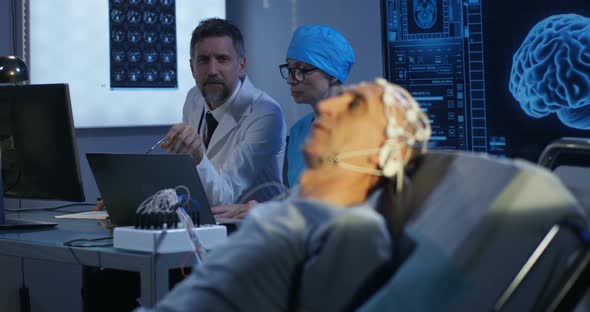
{"type": "Point", "coordinates": [247, 148]}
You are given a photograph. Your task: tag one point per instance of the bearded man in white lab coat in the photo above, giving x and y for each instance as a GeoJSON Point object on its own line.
{"type": "Point", "coordinates": [234, 132]}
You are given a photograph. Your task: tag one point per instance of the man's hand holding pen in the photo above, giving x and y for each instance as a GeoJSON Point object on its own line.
{"type": "Point", "coordinates": [155, 145]}
{"type": "Point", "coordinates": [183, 139]}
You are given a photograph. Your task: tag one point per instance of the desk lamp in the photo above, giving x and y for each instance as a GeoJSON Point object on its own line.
{"type": "Point", "coordinates": [13, 70]}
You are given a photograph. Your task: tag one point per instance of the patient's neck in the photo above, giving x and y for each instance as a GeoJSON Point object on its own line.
{"type": "Point", "coordinates": [336, 186]}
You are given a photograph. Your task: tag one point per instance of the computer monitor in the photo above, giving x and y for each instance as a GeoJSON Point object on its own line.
{"type": "Point", "coordinates": [499, 76]}
{"type": "Point", "coordinates": [39, 158]}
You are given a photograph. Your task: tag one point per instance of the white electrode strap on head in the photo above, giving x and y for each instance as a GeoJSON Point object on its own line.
{"type": "Point", "coordinates": [413, 132]}
{"type": "Point", "coordinates": [338, 160]}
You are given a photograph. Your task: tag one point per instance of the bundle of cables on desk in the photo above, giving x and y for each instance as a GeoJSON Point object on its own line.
{"type": "Point", "coordinates": [165, 209]}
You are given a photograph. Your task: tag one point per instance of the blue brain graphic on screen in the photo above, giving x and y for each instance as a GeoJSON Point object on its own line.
{"type": "Point", "coordinates": [551, 70]}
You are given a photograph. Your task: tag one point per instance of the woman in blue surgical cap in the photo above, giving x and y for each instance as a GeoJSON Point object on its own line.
{"type": "Point", "coordinates": [319, 60]}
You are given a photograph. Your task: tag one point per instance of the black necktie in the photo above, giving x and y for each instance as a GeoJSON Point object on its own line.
{"type": "Point", "coordinates": [211, 125]}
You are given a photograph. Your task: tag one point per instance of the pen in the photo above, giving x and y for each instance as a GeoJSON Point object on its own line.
{"type": "Point", "coordinates": [155, 145]}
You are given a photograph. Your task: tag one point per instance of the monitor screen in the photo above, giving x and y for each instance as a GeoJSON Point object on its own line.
{"type": "Point", "coordinates": [498, 76]}
{"type": "Point", "coordinates": [38, 143]}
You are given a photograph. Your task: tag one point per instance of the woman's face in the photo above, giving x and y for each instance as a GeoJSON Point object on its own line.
{"type": "Point", "coordinates": [314, 87]}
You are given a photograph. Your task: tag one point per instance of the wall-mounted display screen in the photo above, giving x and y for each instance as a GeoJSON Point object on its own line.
{"type": "Point", "coordinates": [498, 76]}
{"type": "Point", "coordinates": [142, 43]}
{"type": "Point", "coordinates": [103, 51]}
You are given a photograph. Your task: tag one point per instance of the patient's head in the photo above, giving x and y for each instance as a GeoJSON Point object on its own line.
{"type": "Point", "coordinates": [374, 128]}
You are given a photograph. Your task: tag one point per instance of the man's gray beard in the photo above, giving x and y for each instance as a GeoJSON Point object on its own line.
{"type": "Point", "coordinates": [219, 97]}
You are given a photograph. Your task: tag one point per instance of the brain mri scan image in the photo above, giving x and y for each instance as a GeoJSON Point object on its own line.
{"type": "Point", "coordinates": [425, 13]}
{"type": "Point", "coordinates": [551, 70]}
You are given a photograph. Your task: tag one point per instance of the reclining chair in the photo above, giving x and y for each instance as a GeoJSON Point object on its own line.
{"type": "Point", "coordinates": [569, 158]}
{"type": "Point", "coordinates": [490, 234]}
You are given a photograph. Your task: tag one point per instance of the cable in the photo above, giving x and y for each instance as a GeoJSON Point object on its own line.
{"type": "Point", "coordinates": [22, 269]}
{"type": "Point", "coordinates": [156, 212]}
{"type": "Point", "coordinates": [23, 292]}
{"type": "Point", "coordinates": [87, 242]}
{"type": "Point", "coordinates": [184, 264]}
{"type": "Point", "coordinates": [162, 201]}
{"type": "Point", "coordinates": [283, 195]}
{"type": "Point", "coordinates": [9, 187]}
{"type": "Point", "coordinates": [245, 196]}
{"type": "Point", "coordinates": [11, 168]}
{"type": "Point", "coordinates": [49, 208]}
{"type": "Point", "coordinates": [70, 211]}
{"type": "Point", "coordinates": [199, 247]}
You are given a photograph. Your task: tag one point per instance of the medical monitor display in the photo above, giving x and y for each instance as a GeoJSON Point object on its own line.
{"type": "Point", "coordinates": [498, 76]}
{"type": "Point", "coordinates": [38, 143]}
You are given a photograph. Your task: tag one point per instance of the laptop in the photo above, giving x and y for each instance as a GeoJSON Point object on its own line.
{"type": "Point", "coordinates": [126, 180]}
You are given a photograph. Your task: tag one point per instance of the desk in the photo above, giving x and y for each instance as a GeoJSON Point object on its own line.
{"type": "Point", "coordinates": [47, 245]}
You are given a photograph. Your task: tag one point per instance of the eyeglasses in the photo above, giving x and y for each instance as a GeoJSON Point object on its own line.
{"type": "Point", "coordinates": [297, 74]}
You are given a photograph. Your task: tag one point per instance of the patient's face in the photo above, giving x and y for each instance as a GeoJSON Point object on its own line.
{"type": "Point", "coordinates": [351, 121]}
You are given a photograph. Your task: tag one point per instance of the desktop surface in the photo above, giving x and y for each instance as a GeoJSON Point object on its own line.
{"type": "Point", "coordinates": [65, 230]}
{"type": "Point", "coordinates": [48, 245]}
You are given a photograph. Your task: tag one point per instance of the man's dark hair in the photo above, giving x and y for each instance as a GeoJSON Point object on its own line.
{"type": "Point", "coordinates": [217, 27]}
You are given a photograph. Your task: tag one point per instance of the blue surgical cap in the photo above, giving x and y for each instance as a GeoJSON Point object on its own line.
{"type": "Point", "coordinates": [324, 48]}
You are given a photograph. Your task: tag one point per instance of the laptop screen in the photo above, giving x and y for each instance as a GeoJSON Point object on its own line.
{"type": "Point", "coordinates": [126, 180]}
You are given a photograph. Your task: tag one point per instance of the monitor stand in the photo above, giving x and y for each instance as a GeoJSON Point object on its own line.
{"type": "Point", "coordinates": [17, 224]}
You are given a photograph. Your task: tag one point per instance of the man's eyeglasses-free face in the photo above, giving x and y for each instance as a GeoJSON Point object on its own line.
{"type": "Point", "coordinates": [297, 74]}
